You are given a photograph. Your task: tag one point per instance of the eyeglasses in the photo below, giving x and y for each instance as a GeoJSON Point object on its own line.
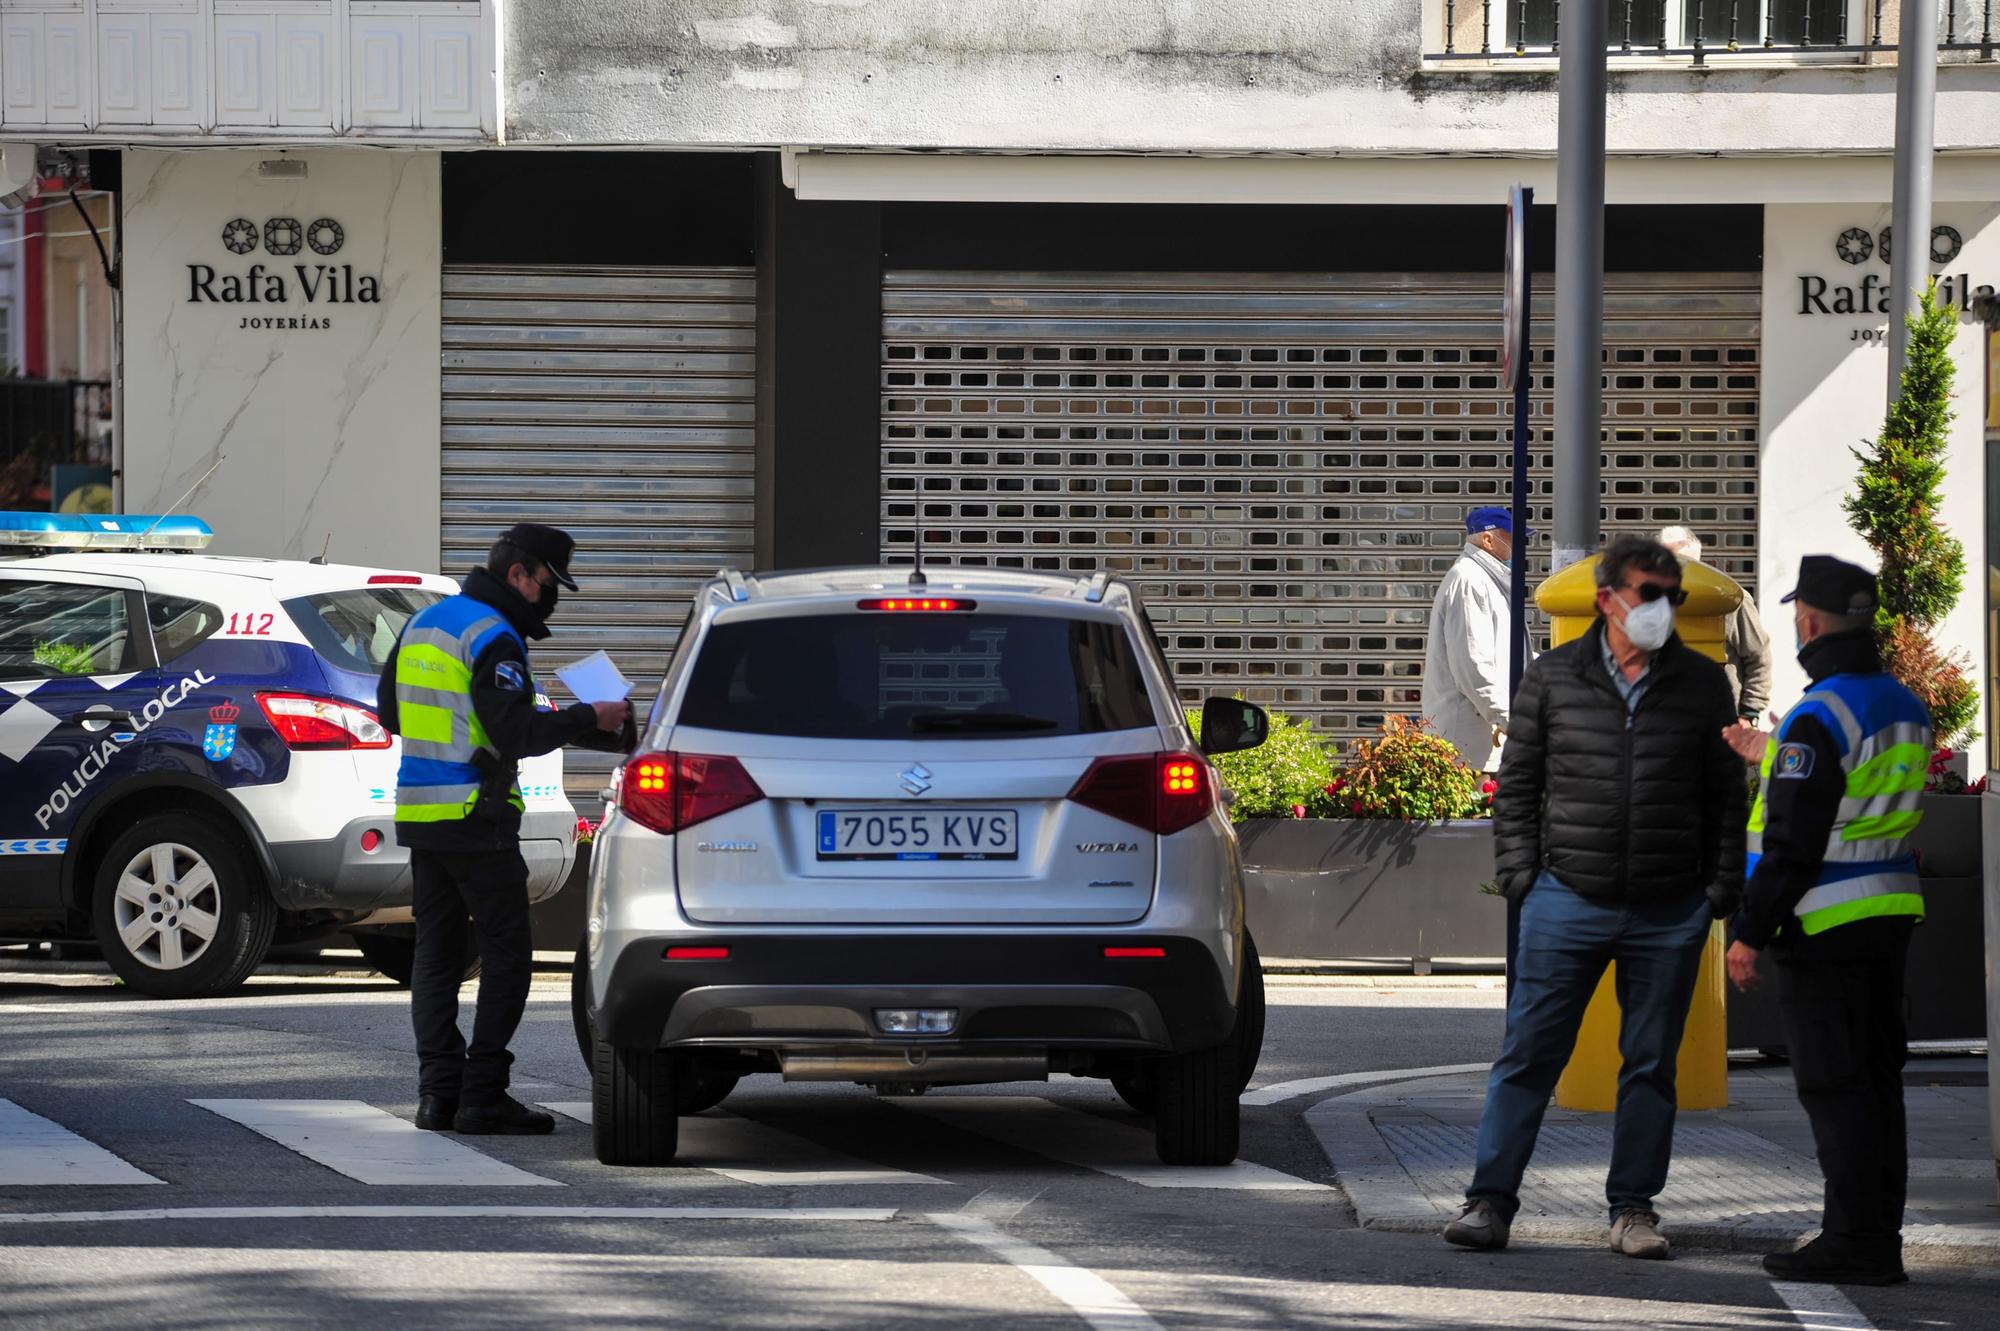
{"type": "Point", "coordinates": [1653, 591]}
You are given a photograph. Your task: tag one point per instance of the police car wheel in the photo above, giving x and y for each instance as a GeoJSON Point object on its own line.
{"type": "Point", "coordinates": [177, 909]}
{"type": "Point", "coordinates": [395, 954]}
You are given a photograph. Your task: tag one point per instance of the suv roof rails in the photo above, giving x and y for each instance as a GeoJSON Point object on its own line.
{"type": "Point", "coordinates": [739, 590]}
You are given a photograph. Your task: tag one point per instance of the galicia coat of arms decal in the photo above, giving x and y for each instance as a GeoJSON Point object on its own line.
{"type": "Point", "coordinates": [219, 741]}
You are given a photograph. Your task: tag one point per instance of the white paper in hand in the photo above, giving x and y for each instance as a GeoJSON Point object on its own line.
{"type": "Point", "coordinates": [595, 679]}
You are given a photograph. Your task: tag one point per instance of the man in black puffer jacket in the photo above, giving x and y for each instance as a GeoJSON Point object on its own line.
{"type": "Point", "coordinates": [1618, 829]}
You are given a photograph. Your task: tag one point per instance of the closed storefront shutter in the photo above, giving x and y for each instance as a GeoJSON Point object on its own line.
{"type": "Point", "coordinates": [1282, 463]}
{"type": "Point", "coordinates": [615, 403]}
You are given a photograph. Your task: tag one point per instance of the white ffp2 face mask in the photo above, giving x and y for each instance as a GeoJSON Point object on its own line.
{"type": "Point", "coordinates": [1649, 624]}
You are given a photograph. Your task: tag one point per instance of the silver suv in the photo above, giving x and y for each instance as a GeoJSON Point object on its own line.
{"type": "Point", "coordinates": [914, 830]}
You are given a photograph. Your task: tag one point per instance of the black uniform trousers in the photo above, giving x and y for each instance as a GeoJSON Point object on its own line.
{"type": "Point", "coordinates": [490, 886]}
{"type": "Point", "coordinates": [1841, 993]}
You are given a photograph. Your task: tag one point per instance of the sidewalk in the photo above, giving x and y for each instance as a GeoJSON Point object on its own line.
{"type": "Point", "coordinates": [1743, 1177]}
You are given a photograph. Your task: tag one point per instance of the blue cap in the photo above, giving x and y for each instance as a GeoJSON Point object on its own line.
{"type": "Point", "coordinates": [1492, 518]}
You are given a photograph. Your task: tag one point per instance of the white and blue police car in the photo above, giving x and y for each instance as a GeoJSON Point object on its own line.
{"type": "Point", "coordinates": [190, 762]}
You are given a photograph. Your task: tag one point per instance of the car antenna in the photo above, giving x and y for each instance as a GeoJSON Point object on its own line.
{"type": "Point", "coordinates": [220, 458]}
{"type": "Point", "coordinates": [321, 557]}
{"type": "Point", "coordinates": [917, 578]}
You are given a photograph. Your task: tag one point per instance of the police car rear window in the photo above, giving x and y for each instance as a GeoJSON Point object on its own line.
{"type": "Point", "coordinates": [180, 624]}
{"type": "Point", "coordinates": [356, 630]}
{"type": "Point", "coordinates": [52, 629]}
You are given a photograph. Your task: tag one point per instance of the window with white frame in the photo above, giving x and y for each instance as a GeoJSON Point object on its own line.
{"type": "Point", "coordinates": [1674, 24]}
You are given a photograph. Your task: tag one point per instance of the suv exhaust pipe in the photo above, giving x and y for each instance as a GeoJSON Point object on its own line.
{"type": "Point", "coordinates": [919, 1066]}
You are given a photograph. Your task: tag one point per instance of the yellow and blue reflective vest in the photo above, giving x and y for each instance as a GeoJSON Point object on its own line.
{"type": "Point", "coordinates": [1884, 737]}
{"type": "Point", "coordinates": [439, 778]}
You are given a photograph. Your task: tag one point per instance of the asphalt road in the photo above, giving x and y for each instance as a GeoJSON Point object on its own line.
{"type": "Point", "coordinates": [797, 1206]}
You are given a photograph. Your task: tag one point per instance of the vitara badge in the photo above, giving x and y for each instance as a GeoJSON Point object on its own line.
{"type": "Point", "coordinates": [219, 741]}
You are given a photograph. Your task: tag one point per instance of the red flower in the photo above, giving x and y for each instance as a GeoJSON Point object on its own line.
{"type": "Point", "coordinates": [1489, 786]}
{"type": "Point", "coordinates": [1334, 786]}
{"type": "Point", "coordinates": [1298, 811]}
{"type": "Point", "coordinates": [1355, 808]}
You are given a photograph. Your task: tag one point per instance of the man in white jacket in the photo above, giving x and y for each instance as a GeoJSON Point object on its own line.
{"type": "Point", "coordinates": [1466, 683]}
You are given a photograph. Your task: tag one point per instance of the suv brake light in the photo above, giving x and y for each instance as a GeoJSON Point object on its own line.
{"type": "Point", "coordinates": [308, 723]}
{"type": "Point", "coordinates": [920, 604]}
{"type": "Point", "coordinates": [670, 792]}
{"type": "Point", "coordinates": [1161, 792]}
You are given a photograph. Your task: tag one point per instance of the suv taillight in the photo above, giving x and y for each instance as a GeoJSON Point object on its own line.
{"type": "Point", "coordinates": [308, 723]}
{"type": "Point", "coordinates": [1161, 792]}
{"type": "Point", "coordinates": [670, 792]}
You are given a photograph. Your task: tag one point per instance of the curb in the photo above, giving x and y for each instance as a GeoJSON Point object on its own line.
{"type": "Point", "coordinates": [1386, 1199]}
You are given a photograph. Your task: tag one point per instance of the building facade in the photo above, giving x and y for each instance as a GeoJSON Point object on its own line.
{"type": "Point", "coordinates": [1206, 298]}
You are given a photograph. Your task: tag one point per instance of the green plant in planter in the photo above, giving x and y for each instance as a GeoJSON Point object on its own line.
{"type": "Point", "coordinates": [1409, 774]}
{"type": "Point", "coordinates": [1895, 507]}
{"type": "Point", "coordinates": [1284, 777]}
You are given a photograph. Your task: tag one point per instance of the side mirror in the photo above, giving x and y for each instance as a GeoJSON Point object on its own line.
{"type": "Point", "coordinates": [1230, 725]}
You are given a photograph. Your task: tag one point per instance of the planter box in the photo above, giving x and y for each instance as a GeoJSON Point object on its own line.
{"type": "Point", "coordinates": [1340, 889]}
{"type": "Point", "coordinates": [1944, 994]}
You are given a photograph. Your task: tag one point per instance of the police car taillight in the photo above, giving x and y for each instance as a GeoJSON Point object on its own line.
{"type": "Point", "coordinates": [307, 723]}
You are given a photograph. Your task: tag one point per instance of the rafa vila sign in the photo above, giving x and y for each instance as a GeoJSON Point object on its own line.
{"type": "Point", "coordinates": [321, 282]}
{"type": "Point", "coordinates": [1843, 294]}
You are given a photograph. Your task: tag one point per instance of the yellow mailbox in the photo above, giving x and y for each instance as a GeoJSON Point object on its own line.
{"type": "Point", "coordinates": [1590, 1082]}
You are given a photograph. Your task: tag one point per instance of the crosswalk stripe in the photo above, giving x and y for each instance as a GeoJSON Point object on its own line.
{"type": "Point", "coordinates": [1078, 1138]}
{"type": "Point", "coordinates": [372, 1145]}
{"type": "Point", "coordinates": [35, 1152]}
{"type": "Point", "coordinates": [784, 1161]}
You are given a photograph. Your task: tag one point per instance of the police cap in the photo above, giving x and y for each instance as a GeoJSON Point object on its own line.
{"type": "Point", "coordinates": [550, 545]}
{"type": "Point", "coordinates": [1835, 586]}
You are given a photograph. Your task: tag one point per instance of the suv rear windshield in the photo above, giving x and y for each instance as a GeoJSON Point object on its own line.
{"type": "Point", "coordinates": [901, 676]}
{"type": "Point", "coordinates": [355, 630]}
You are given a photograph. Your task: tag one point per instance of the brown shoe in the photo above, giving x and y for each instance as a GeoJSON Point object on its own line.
{"type": "Point", "coordinates": [1479, 1225]}
{"type": "Point", "coordinates": [1637, 1234]}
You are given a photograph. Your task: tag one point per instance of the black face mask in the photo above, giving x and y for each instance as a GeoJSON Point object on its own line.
{"type": "Point", "coordinates": [547, 605]}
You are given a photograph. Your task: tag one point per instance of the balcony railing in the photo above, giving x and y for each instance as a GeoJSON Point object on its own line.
{"type": "Point", "coordinates": [1723, 31]}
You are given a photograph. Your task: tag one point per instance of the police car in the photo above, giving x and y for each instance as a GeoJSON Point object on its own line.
{"type": "Point", "coordinates": [190, 762]}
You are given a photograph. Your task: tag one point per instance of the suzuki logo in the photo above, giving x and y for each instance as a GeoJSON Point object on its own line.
{"type": "Point", "coordinates": [916, 778]}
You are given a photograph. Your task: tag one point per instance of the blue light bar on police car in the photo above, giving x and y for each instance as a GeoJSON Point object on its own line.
{"type": "Point", "coordinates": [104, 531]}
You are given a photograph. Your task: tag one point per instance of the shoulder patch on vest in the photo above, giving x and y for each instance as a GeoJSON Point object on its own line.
{"type": "Point", "coordinates": [1794, 760]}
{"type": "Point", "coordinates": [510, 675]}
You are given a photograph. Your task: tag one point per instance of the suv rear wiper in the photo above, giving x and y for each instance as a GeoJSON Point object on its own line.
{"type": "Point", "coordinates": [927, 721]}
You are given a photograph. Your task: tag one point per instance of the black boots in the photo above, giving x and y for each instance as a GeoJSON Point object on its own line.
{"type": "Point", "coordinates": [1830, 1261]}
{"type": "Point", "coordinates": [505, 1116]}
{"type": "Point", "coordinates": [435, 1113]}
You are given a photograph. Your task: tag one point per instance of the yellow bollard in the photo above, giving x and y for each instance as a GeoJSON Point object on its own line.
{"type": "Point", "coordinates": [1590, 1082]}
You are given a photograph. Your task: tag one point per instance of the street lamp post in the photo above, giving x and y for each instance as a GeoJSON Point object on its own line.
{"type": "Point", "coordinates": [1910, 210]}
{"type": "Point", "coordinates": [1579, 334]}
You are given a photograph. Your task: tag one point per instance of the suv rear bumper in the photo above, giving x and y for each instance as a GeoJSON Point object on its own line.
{"type": "Point", "coordinates": [1013, 991]}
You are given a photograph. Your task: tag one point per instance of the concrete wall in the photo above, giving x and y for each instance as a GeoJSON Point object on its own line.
{"type": "Point", "coordinates": [1149, 75]}
{"type": "Point", "coordinates": [1824, 393]}
{"type": "Point", "coordinates": [328, 431]}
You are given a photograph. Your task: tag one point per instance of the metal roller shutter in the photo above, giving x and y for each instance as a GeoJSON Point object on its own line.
{"type": "Point", "coordinates": [615, 403]}
{"type": "Point", "coordinates": [1282, 463]}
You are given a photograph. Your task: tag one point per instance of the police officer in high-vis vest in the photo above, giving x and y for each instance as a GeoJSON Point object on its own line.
{"type": "Point", "coordinates": [458, 689]}
{"type": "Point", "coordinates": [1832, 895]}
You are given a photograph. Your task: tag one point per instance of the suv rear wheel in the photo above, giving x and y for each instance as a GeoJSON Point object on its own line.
{"type": "Point", "coordinates": [1197, 1112]}
{"type": "Point", "coordinates": [697, 1087]}
{"type": "Point", "coordinates": [1139, 1086]}
{"type": "Point", "coordinates": [177, 909]}
{"type": "Point", "coordinates": [634, 1119]}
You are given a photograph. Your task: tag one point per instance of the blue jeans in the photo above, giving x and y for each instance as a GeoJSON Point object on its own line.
{"type": "Point", "coordinates": [1565, 943]}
